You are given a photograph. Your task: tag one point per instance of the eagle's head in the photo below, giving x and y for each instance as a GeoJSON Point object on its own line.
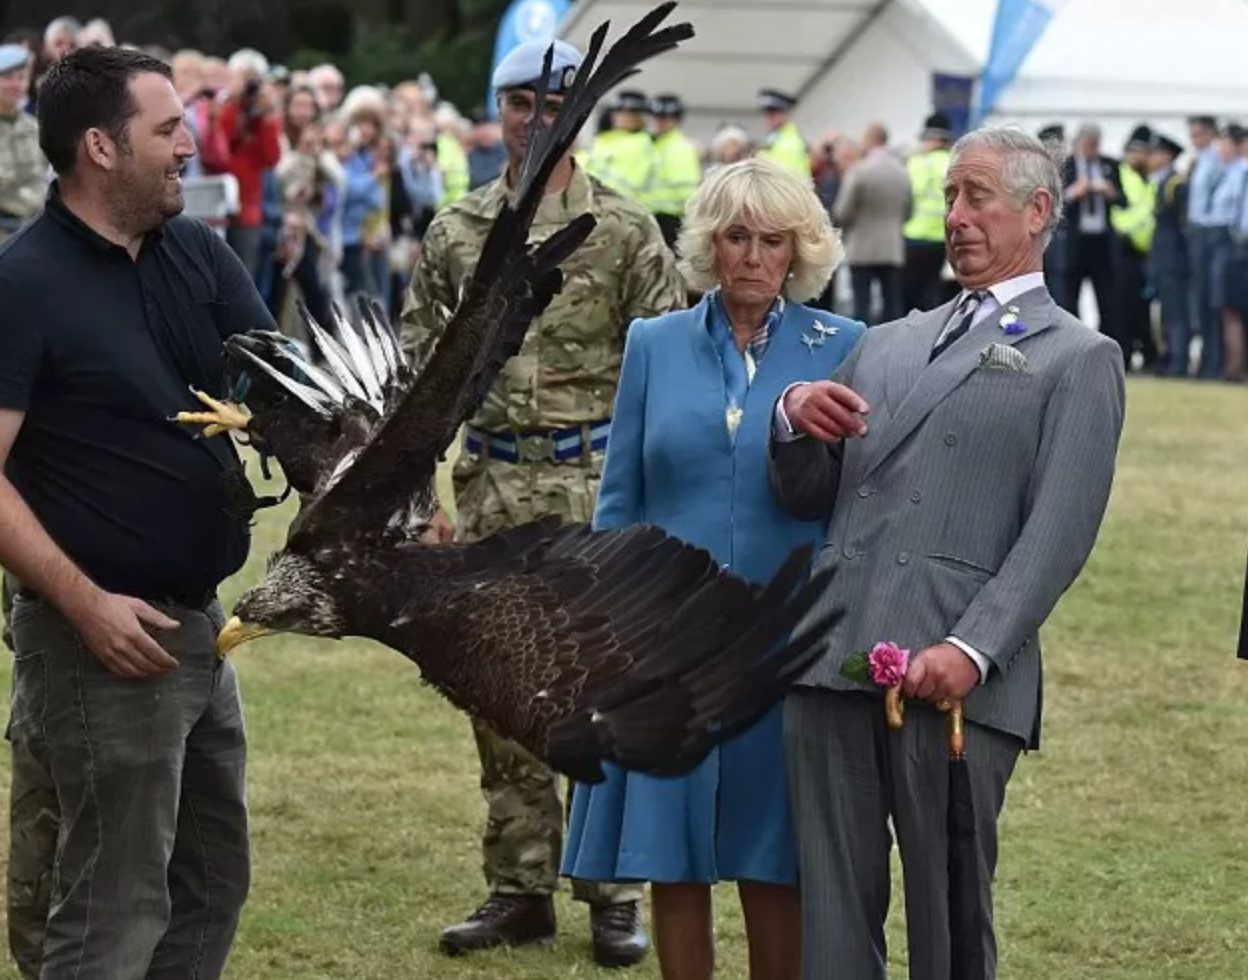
{"type": "Point", "coordinates": [293, 597]}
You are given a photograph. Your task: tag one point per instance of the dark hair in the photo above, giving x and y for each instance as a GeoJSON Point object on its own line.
{"type": "Point", "coordinates": [89, 89]}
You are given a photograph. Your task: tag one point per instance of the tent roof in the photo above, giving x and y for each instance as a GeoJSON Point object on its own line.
{"type": "Point", "coordinates": [1113, 60]}
{"type": "Point", "coordinates": [1118, 55]}
{"type": "Point", "coordinates": [740, 47]}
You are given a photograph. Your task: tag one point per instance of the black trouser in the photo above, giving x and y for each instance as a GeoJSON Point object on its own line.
{"type": "Point", "coordinates": [1094, 259]}
{"type": "Point", "coordinates": [922, 288]}
{"type": "Point", "coordinates": [889, 278]}
{"type": "Point", "coordinates": [1134, 307]}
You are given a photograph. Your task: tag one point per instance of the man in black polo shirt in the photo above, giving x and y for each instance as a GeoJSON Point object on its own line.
{"type": "Point", "coordinates": [119, 525]}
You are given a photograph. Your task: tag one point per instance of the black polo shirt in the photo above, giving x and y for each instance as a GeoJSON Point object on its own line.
{"type": "Point", "coordinates": [99, 350]}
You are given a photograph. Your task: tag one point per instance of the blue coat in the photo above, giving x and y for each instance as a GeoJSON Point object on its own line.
{"type": "Point", "coordinates": [671, 463]}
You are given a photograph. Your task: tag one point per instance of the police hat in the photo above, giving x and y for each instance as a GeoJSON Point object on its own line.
{"type": "Point", "coordinates": [667, 106]}
{"type": "Point", "coordinates": [770, 98]}
{"type": "Point", "coordinates": [630, 100]}
{"type": "Point", "coordinates": [522, 67]}
{"type": "Point", "coordinates": [1139, 138]}
{"type": "Point", "coordinates": [13, 56]}
{"type": "Point", "coordinates": [1052, 132]}
{"type": "Point", "coordinates": [937, 127]}
{"type": "Point", "coordinates": [1162, 142]}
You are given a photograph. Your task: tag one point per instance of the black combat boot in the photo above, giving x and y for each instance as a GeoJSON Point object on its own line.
{"type": "Point", "coordinates": [619, 938]}
{"type": "Point", "coordinates": [504, 920]}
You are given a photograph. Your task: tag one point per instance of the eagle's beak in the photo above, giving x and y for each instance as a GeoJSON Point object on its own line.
{"type": "Point", "coordinates": [235, 632]}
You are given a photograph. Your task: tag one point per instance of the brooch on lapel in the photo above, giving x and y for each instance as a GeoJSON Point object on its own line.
{"type": "Point", "coordinates": [822, 333]}
{"type": "Point", "coordinates": [734, 420]}
{"type": "Point", "coordinates": [1010, 322]}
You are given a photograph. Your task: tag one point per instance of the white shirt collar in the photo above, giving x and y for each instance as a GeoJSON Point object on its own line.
{"type": "Point", "coordinates": [1007, 291]}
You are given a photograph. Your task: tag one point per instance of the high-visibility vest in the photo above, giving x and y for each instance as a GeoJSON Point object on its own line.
{"type": "Point", "coordinates": [927, 186]}
{"type": "Point", "coordinates": [623, 161]}
{"type": "Point", "coordinates": [1135, 220]}
{"type": "Point", "coordinates": [788, 149]}
{"type": "Point", "coordinates": [453, 162]}
{"type": "Point", "coordinates": [677, 171]}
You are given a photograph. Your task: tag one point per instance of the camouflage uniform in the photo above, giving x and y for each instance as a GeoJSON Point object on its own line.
{"type": "Point", "coordinates": [564, 376]}
{"type": "Point", "coordinates": [34, 819]}
{"type": "Point", "coordinates": [23, 172]}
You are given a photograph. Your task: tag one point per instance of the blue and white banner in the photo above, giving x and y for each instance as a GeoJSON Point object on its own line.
{"type": "Point", "coordinates": [1018, 26]}
{"type": "Point", "coordinates": [524, 20]}
{"type": "Point", "coordinates": [954, 95]}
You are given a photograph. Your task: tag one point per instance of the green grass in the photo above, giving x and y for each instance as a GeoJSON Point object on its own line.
{"type": "Point", "coordinates": [1123, 848]}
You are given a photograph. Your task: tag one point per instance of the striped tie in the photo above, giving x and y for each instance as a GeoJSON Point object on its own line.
{"type": "Point", "coordinates": [970, 304]}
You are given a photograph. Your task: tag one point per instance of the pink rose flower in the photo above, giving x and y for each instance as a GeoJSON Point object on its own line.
{"type": "Point", "coordinates": [888, 664]}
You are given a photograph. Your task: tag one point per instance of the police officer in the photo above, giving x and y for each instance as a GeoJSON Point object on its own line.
{"type": "Point", "coordinates": [784, 143]}
{"type": "Point", "coordinates": [1133, 222]}
{"type": "Point", "coordinates": [925, 230]}
{"type": "Point", "coordinates": [536, 447]}
{"type": "Point", "coordinates": [678, 167]}
{"type": "Point", "coordinates": [622, 155]}
{"type": "Point", "coordinates": [1168, 266]}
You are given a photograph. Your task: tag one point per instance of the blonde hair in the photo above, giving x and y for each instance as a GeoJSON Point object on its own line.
{"type": "Point", "coordinates": [762, 194]}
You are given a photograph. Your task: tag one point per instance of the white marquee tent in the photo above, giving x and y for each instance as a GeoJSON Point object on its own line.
{"type": "Point", "coordinates": [1115, 62]}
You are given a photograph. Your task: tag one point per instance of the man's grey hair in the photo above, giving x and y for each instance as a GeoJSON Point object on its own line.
{"type": "Point", "coordinates": [62, 25]}
{"type": "Point", "coordinates": [1028, 165]}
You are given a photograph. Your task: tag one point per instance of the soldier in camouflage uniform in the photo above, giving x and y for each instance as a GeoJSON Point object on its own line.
{"type": "Point", "coordinates": [34, 815]}
{"type": "Point", "coordinates": [34, 819]}
{"type": "Point", "coordinates": [23, 169]}
{"type": "Point", "coordinates": [536, 447]}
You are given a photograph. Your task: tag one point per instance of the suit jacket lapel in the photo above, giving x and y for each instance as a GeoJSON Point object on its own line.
{"type": "Point", "coordinates": [937, 380]}
{"type": "Point", "coordinates": [909, 357]}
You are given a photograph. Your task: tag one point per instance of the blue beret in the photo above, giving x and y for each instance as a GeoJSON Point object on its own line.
{"type": "Point", "coordinates": [522, 67]}
{"type": "Point", "coordinates": [13, 56]}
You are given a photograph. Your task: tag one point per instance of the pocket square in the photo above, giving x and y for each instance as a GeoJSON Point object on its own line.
{"type": "Point", "coordinates": [1002, 357]}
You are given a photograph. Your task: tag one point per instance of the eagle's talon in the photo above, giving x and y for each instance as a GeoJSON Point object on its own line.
{"type": "Point", "coordinates": [223, 416]}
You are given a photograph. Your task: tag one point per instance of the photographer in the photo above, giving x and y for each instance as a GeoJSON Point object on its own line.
{"type": "Point", "coordinates": [249, 126]}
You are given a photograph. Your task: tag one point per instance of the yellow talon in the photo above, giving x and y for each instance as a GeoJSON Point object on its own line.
{"type": "Point", "coordinates": [223, 417]}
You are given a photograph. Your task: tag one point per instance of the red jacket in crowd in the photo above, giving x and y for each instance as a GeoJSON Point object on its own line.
{"type": "Point", "coordinates": [246, 146]}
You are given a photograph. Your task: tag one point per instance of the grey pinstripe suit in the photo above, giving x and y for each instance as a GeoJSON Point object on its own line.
{"type": "Point", "coordinates": [968, 509]}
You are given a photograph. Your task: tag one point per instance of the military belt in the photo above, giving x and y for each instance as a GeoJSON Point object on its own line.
{"type": "Point", "coordinates": [540, 446]}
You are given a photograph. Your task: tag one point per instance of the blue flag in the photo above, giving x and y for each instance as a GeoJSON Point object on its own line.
{"type": "Point", "coordinates": [1017, 28]}
{"type": "Point", "coordinates": [524, 20]}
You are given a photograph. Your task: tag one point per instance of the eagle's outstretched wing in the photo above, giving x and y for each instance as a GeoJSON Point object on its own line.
{"type": "Point", "coordinates": [511, 285]}
{"type": "Point", "coordinates": [626, 646]}
{"type": "Point", "coordinates": [313, 410]}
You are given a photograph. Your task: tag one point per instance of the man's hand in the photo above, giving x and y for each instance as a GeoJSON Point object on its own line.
{"type": "Point", "coordinates": [940, 673]}
{"type": "Point", "coordinates": [825, 411]}
{"type": "Point", "coordinates": [440, 530]}
{"type": "Point", "coordinates": [112, 627]}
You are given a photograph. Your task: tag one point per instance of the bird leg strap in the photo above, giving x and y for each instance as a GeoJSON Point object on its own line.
{"type": "Point", "coordinates": [242, 497]}
{"type": "Point", "coordinates": [894, 716]}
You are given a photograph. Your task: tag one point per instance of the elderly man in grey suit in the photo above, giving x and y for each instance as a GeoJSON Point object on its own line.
{"type": "Point", "coordinates": [964, 459]}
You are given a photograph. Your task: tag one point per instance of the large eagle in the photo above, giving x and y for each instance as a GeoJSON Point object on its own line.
{"type": "Point", "coordinates": [625, 645]}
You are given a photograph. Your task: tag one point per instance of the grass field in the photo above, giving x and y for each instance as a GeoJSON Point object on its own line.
{"type": "Point", "coordinates": [1123, 851]}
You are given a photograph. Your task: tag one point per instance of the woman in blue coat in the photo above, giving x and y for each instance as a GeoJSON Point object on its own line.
{"type": "Point", "coordinates": [688, 453]}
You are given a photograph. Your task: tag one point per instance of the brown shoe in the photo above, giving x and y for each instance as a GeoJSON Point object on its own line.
{"type": "Point", "coordinates": [504, 920]}
{"type": "Point", "coordinates": [619, 938]}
